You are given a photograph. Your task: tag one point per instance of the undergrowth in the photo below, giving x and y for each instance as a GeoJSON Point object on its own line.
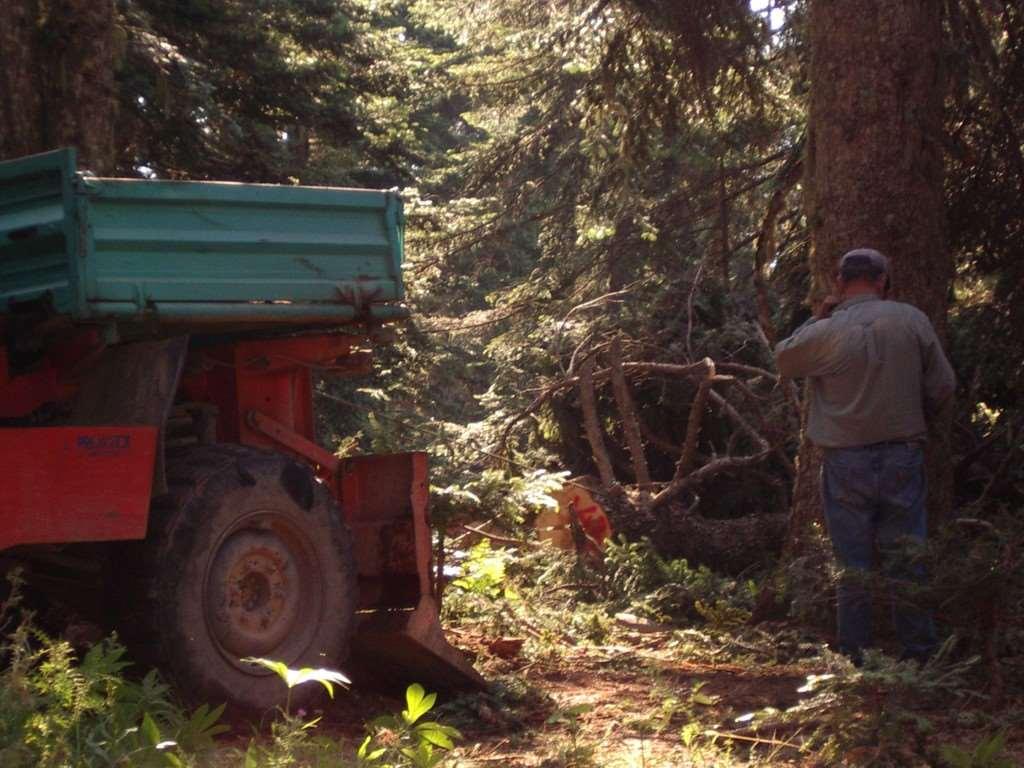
{"type": "Point", "coordinates": [887, 712]}
{"type": "Point", "coordinates": [549, 596]}
{"type": "Point", "coordinates": [57, 709]}
{"type": "Point", "coordinates": [61, 708]}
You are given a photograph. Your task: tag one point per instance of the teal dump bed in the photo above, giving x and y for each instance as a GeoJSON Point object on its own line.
{"type": "Point", "coordinates": [195, 252]}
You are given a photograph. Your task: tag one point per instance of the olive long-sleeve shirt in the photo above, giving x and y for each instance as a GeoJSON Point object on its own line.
{"type": "Point", "coordinates": [876, 372]}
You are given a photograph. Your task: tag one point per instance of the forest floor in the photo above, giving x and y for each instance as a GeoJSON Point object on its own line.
{"type": "Point", "coordinates": [628, 703]}
{"type": "Point", "coordinates": [670, 697]}
{"type": "Point", "coordinates": [639, 661]}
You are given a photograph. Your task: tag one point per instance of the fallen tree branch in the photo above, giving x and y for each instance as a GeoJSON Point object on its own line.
{"type": "Point", "coordinates": [777, 449]}
{"type": "Point", "coordinates": [627, 410]}
{"type": "Point", "coordinates": [494, 536]}
{"type": "Point", "coordinates": [693, 422]}
{"type": "Point", "coordinates": [629, 369]}
{"type": "Point", "coordinates": [595, 436]}
{"type": "Point", "coordinates": [751, 370]}
{"type": "Point", "coordinates": [684, 478]}
{"type": "Point", "coordinates": [635, 369]}
{"type": "Point", "coordinates": [737, 418]}
{"type": "Point", "coordinates": [704, 473]}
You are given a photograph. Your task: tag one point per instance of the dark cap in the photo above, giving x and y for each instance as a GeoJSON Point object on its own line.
{"type": "Point", "coordinates": [864, 259]}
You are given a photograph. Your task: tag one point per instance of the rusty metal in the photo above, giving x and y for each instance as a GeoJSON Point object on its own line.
{"type": "Point", "coordinates": [262, 593]}
{"type": "Point", "coordinates": [294, 442]}
{"type": "Point", "coordinates": [392, 646]}
{"type": "Point", "coordinates": [399, 636]}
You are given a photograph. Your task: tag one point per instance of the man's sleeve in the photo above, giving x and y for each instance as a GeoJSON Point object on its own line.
{"type": "Point", "coordinates": [808, 352]}
{"type": "Point", "coordinates": [939, 379]}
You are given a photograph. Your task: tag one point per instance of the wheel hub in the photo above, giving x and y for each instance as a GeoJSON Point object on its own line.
{"type": "Point", "coordinates": [254, 594]}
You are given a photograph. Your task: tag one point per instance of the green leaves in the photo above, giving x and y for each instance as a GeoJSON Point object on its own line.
{"type": "Point", "coordinates": [58, 710]}
{"type": "Point", "coordinates": [418, 702]}
{"type": "Point", "coordinates": [368, 755]}
{"type": "Point", "coordinates": [202, 727]}
{"type": "Point", "coordinates": [404, 740]}
{"type": "Point", "coordinates": [149, 730]}
{"type": "Point", "coordinates": [342, 92]}
{"type": "Point", "coordinates": [294, 677]}
{"type": "Point", "coordinates": [484, 570]}
{"type": "Point", "coordinates": [439, 735]}
{"type": "Point", "coordinates": [987, 754]}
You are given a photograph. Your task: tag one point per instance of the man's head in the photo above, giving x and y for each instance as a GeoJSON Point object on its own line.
{"type": "Point", "coordinates": [863, 270]}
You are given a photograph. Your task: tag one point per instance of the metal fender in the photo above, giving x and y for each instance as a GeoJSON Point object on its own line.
{"type": "Point", "coordinates": [133, 384]}
{"type": "Point", "coordinates": [73, 484]}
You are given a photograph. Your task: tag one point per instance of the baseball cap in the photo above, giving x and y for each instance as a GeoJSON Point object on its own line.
{"type": "Point", "coordinates": [863, 258]}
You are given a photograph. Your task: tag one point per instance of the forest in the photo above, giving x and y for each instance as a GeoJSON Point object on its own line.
{"type": "Point", "coordinates": [615, 210]}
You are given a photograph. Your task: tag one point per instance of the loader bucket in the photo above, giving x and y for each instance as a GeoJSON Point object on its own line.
{"type": "Point", "coordinates": [399, 647]}
{"type": "Point", "coordinates": [399, 639]}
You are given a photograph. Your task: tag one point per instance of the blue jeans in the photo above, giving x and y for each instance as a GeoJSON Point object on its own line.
{"type": "Point", "coordinates": [875, 496]}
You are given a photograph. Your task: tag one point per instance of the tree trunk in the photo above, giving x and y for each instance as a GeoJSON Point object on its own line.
{"type": "Point", "coordinates": [57, 85]}
{"type": "Point", "coordinates": [873, 171]}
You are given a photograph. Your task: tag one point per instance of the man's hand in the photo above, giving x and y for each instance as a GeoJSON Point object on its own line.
{"type": "Point", "coordinates": [825, 307]}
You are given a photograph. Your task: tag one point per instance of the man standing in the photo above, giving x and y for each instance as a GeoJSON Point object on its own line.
{"type": "Point", "coordinates": [876, 373]}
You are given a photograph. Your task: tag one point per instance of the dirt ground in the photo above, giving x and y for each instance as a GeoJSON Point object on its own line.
{"type": "Point", "coordinates": [615, 706]}
{"type": "Point", "coordinates": [632, 699]}
{"type": "Point", "coordinates": [639, 702]}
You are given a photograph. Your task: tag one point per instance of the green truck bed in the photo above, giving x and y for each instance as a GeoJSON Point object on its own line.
{"type": "Point", "coordinates": [195, 252]}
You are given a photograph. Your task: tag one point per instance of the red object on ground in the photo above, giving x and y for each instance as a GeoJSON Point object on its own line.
{"type": "Point", "coordinates": [64, 484]}
{"type": "Point", "coordinates": [576, 505]}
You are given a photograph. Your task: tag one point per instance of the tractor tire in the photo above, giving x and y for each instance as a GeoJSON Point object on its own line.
{"type": "Point", "coordinates": [246, 557]}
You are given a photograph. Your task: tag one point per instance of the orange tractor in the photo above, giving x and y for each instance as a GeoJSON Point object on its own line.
{"type": "Point", "coordinates": [159, 347]}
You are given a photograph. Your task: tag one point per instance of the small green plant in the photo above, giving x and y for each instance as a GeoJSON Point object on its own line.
{"type": "Point", "coordinates": [405, 739]}
{"type": "Point", "coordinates": [987, 754]}
{"type": "Point", "coordinates": [293, 677]}
{"type": "Point", "coordinates": [577, 754]}
{"type": "Point", "coordinates": [722, 615]}
{"type": "Point", "coordinates": [484, 571]}
{"type": "Point", "coordinates": [293, 740]}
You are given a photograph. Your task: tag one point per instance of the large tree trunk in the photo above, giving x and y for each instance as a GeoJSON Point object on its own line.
{"type": "Point", "coordinates": [873, 172]}
{"type": "Point", "coordinates": [57, 86]}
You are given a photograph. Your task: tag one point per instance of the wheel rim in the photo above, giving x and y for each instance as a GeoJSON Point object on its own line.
{"type": "Point", "coordinates": [263, 591]}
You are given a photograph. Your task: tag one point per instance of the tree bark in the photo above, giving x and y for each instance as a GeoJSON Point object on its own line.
{"type": "Point", "coordinates": [57, 84]}
{"type": "Point", "coordinates": [873, 172]}
{"type": "Point", "coordinates": [592, 424]}
{"type": "Point", "coordinates": [765, 244]}
{"type": "Point", "coordinates": [627, 411]}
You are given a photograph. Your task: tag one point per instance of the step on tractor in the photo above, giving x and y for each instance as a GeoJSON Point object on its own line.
{"type": "Point", "coordinates": [160, 342]}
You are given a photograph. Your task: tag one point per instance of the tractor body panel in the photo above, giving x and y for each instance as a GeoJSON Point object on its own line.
{"type": "Point", "coordinates": [75, 484]}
